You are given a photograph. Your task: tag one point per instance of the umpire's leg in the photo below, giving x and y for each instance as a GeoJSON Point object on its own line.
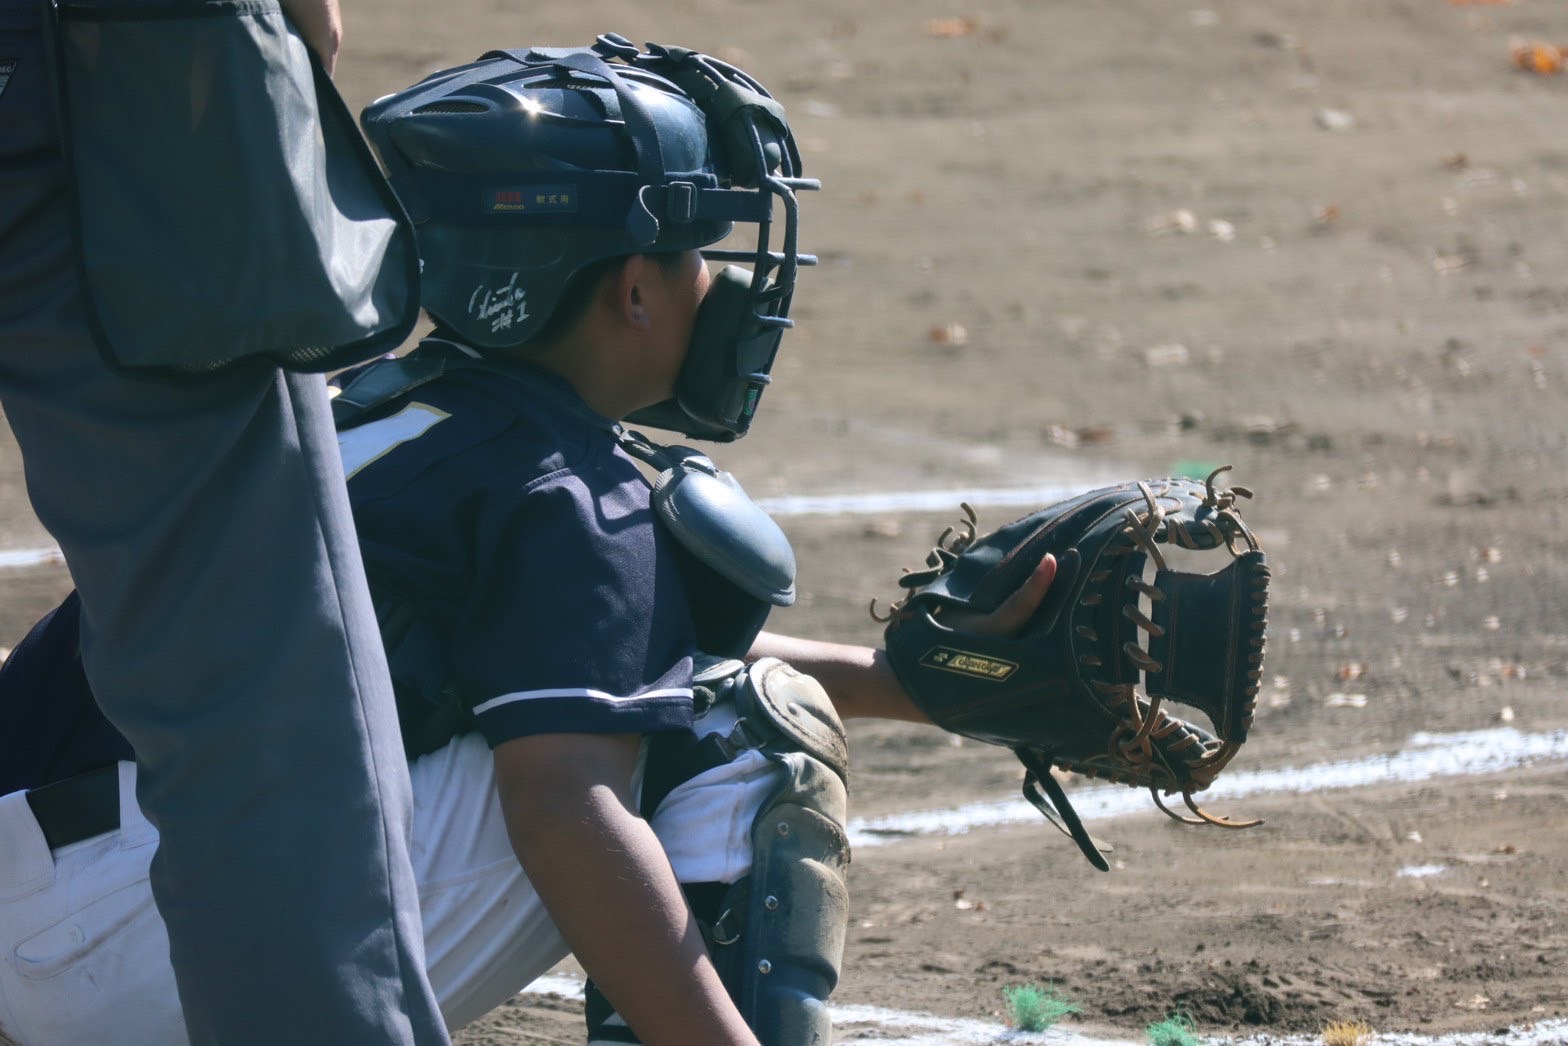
{"type": "Point", "coordinates": [227, 633]}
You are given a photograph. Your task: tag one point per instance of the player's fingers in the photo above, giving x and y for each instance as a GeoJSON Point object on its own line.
{"type": "Point", "coordinates": [1015, 610]}
{"type": "Point", "coordinates": [1019, 607]}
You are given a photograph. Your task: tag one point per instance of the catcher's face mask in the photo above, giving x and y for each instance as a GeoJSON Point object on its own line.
{"type": "Point", "coordinates": [526, 166]}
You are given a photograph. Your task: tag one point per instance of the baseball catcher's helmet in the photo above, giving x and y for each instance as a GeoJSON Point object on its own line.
{"type": "Point", "coordinates": [524, 167]}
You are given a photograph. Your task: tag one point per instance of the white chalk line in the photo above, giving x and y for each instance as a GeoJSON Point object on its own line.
{"type": "Point", "coordinates": [906, 1028]}
{"type": "Point", "coordinates": [1034, 496]}
{"type": "Point", "coordinates": [30, 557]}
{"type": "Point", "coordinates": [1423, 757]}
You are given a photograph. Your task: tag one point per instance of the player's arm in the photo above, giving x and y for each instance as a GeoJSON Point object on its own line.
{"type": "Point", "coordinates": [320, 24]}
{"type": "Point", "coordinates": [859, 679]}
{"type": "Point", "coordinates": [606, 882]}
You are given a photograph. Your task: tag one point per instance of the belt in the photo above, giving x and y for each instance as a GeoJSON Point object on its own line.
{"type": "Point", "coordinates": [78, 807]}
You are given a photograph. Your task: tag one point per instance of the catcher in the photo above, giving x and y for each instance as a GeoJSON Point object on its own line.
{"type": "Point", "coordinates": [585, 779]}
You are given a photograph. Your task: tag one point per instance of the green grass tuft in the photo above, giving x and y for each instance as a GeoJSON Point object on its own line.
{"type": "Point", "coordinates": [1176, 1030]}
{"type": "Point", "coordinates": [1035, 1008]}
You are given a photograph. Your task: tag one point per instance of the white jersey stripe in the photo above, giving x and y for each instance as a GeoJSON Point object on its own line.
{"type": "Point", "coordinates": [364, 444]}
{"type": "Point", "coordinates": [597, 695]}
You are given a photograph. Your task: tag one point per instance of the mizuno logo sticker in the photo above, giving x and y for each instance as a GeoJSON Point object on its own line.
{"type": "Point", "coordinates": [964, 663]}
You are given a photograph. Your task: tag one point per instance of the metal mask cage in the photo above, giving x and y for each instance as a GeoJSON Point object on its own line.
{"type": "Point", "coordinates": [759, 164]}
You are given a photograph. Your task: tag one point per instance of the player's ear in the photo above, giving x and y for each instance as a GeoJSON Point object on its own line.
{"type": "Point", "coordinates": [627, 287]}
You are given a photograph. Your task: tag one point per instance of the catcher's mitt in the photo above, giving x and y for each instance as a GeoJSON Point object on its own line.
{"type": "Point", "coordinates": [1065, 691]}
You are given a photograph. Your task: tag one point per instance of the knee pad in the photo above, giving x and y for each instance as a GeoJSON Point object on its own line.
{"type": "Point", "coordinates": [777, 935]}
{"type": "Point", "coordinates": [779, 940]}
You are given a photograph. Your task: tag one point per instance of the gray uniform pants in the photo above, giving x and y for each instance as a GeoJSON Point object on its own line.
{"type": "Point", "coordinates": [227, 633]}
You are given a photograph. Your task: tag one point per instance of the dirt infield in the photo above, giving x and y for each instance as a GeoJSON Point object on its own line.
{"type": "Point", "coordinates": [1325, 241]}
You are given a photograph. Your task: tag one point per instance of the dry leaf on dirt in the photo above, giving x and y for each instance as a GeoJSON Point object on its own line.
{"type": "Point", "coordinates": [1533, 56]}
{"type": "Point", "coordinates": [951, 26]}
{"type": "Point", "coordinates": [952, 334]}
{"type": "Point", "coordinates": [1166, 355]}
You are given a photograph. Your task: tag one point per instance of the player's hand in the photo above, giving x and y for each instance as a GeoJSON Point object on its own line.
{"type": "Point", "coordinates": [858, 678]}
{"type": "Point", "coordinates": [1015, 610]}
{"type": "Point", "coordinates": [320, 24]}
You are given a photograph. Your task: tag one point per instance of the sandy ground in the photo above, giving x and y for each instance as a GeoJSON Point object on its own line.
{"type": "Point", "coordinates": [1325, 241]}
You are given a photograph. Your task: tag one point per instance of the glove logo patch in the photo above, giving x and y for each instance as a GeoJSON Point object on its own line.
{"type": "Point", "coordinates": [961, 661]}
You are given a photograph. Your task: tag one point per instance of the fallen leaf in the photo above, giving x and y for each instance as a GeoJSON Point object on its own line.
{"type": "Point", "coordinates": [952, 334]}
{"type": "Point", "coordinates": [1097, 434]}
{"type": "Point", "coordinates": [1166, 355]}
{"type": "Point", "coordinates": [1335, 120]}
{"type": "Point", "coordinates": [1181, 220]}
{"type": "Point", "coordinates": [1062, 436]}
{"type": "Point", "coordinates": [1536, 57]}
{"type": "Point", "coordinates": [951, 26]}
{"type": "Point", "coordinates": [883, 528]}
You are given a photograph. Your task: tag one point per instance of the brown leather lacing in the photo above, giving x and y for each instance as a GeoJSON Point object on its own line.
{"type": "Point", "coordinates": [1144, 720]}
{"type": "Point", "coordinates": [1134, 758]}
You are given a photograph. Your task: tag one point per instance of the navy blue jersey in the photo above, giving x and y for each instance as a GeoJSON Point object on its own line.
{"type": "Point", "coordinates": [499, 519]}
{"type": "Point", "coordinates": [522, 583]}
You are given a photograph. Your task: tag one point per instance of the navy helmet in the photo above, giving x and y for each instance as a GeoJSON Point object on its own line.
{"type": "Point", "coordinates": [526, 166]}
